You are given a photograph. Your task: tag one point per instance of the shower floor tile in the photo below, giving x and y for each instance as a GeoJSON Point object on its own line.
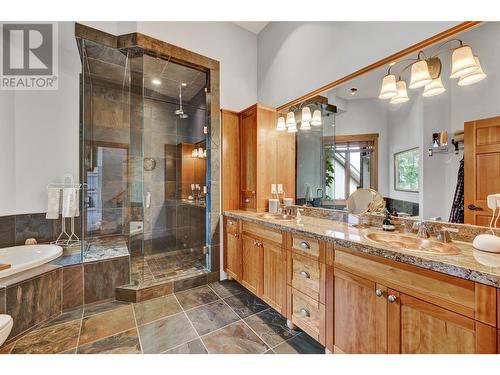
{"type": "Point", "coordinates": [170, 265]}
{"type": "Point", "coordinates": [219, 318]}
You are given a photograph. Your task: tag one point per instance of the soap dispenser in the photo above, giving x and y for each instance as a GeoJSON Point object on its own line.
{"type": "Point", "coordinates": [387, 224]}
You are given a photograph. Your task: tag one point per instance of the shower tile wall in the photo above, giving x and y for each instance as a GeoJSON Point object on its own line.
{"type": "Point", "coordinates": [169, 224]}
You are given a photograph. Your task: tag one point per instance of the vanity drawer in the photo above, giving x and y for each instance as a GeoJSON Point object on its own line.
{"type": "Point", "coordinates": [231, 225]}
{"type": "Point", "coordinates": [306, 245]}
{"type": "Point", "coordinates": [262, 232]}
{"type": "Point", "coordinates": [308, 314]}
{"type": "Point", "coordinates": [306, 275]}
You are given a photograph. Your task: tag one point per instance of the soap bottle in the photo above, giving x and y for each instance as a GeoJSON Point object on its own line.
{"type": "Point", "coordinates": [387, 224]}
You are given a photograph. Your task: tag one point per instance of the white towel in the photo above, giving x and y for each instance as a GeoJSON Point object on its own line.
{"type": "Point", "coordinates": [53, 203]}
{"type": "Point", "coordinates": [70, 202]}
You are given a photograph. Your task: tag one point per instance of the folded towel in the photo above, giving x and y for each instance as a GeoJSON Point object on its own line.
{"type": "Point", "coordinates": [54, 203]}
{"type": "Point", "coordinates": [70, 202]}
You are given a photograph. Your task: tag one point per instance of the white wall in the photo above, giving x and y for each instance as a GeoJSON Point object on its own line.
{"type": "Point", "coordinates": [297, 57]}
{"type": "Point", "coordinates": [7, 154]}
{"type": "Point", "coordinates": [39, 134]}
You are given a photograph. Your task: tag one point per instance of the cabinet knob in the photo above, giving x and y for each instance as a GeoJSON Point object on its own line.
{"type": "Point", "coordinates": [392, 298]}
{"type": "Point", "coordinates": [305, 245]}
{"type": "Point", "coordinates": [230, 222]}
{"type": "Point", "coordinates": [379, 292]}
{"type": "Point", "coordinates": [236, 235]}
{"type": "Point", "coordinates": [305, 274]}
{"type": "Point", "coordinates": [305, 313]}
{"type": "Point", "coordinates": [247, 200]}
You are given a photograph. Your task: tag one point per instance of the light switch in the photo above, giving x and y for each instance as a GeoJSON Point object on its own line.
{"type": "Point", "coordinates": [273, 188]}
{"type": "Point", "coordinates": [280, 188]}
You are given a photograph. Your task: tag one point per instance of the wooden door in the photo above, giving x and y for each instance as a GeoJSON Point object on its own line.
{"type": "Point", "coordinates": [230, 160]}
{"type": "Point", "coordinates": [481, 168]}
{"type": "Point", "coordinates": [274, 277]}
{"type": "Point", "coordinates": [248, 152]}
{"type": "Point", "coordinates": [360, 315]}
{"type": "Point", "coordinates": [419, 327]}
{"type": "Point", "coordinates": [233, 255]}
{"type": "Point", "coordinates": [252, 264]}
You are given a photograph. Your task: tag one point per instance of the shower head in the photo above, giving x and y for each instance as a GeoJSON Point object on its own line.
{"type": "Point", "coordinates": [180, 112]}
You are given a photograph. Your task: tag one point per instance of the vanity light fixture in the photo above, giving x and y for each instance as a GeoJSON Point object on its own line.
{"type": "Point", "coordinates": [306, 115]}
{"type": "Point", "coordinates": [475, 76]}
{"type": "Point", "coordinates": [290, 120]}
{"type": "Point", "coordinates": [281, 125]}
{"type": "Point", "coordinates": [434, 88]}
{"type": "Point", "coordinates": [389, 89]}
{"type": "Point", "coordinates": [316, 118]}
{"type": "Point", "coordinates": [426, 72]}
{"type": "Point", "coordinates": [420, 75]}
{"type": "Point", "coordinates": [292, 129]}
{"type": "Point", "coordinates": [305, 125]}
{"type": "Point", "coordinates": [462, 61]}
{"type": "Point", "coordinates": [402, 95]}
{"type": "Point", "coordinates": [194, 153]}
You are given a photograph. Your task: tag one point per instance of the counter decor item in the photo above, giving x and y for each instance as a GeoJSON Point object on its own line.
{"type": "Point", "coordinates": [273, 205]}
{"type": "Point", "coordinates": [490, 242]}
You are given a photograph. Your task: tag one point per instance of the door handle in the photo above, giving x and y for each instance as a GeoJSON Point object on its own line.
{"type": "Point", "coordinates": [474, 207]}
{"type": "Point", "coordinates": [148, 199]}
{"type": "Point", "coordinates": [305, 274]}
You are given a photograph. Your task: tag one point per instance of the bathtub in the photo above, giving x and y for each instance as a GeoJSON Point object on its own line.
{"type": "Point", "coordinates": [23, 258]}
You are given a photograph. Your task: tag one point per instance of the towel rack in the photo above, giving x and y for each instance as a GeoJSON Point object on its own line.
{"type": "Point", "coordinates": [65, 238]}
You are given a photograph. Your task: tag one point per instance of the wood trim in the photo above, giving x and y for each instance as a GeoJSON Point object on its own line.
{"type": "Point", "coordinates": [469, 169]}
{"type": "Point", "coordinates": [230, 157]}
{"type": "Point", "coordinates": [498, 312]}
{"type": "Point", "coordinates": [486, 304]}
{"type": "Point", "coordinates": [486, 339]}
{"type": "Point", "coordinates": [393, 323]}
{"type": "Point", "coordinates": [464, 26]}
{"type": "Point", "coordinates": [329, 308]}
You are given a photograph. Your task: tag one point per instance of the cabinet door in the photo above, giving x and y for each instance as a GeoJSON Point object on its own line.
{"type": "Point", "coordinates": [248, 152]}
{"type": "Point", "coordinates": [419, 327]}
{"type": "Point", "coordinates": [360, 315]}
{"type": "Point", "coordinates": [252, 264]}
{"type": "Point", "coordinates": [274, 291]}
{"type": "Point", "coordinates": [233, 255]}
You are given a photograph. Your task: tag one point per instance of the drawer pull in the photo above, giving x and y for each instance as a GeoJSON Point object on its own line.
{"type": "Point", "coordinates": [305, 313]}
{"type": "Point", "coordinates": [392, 298]}
{"type": "Point", "coordinates": [305, 274]}
{"type": "Point", "coordinates": [247, 200]}
{"type": "Point", "coordinates": [305, 245]}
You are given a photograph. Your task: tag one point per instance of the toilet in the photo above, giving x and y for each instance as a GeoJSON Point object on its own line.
{"type": "Point", "coordinates": [6, 323]}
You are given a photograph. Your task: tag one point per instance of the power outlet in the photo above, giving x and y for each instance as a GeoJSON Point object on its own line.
{"type": "Point", "coordinates": [273, 188]}
{"type": "Point", "coordinates": [280, 188]}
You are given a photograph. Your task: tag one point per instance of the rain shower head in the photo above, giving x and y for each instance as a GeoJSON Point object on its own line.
{"type": "Point", "coordinates": [180, 112]}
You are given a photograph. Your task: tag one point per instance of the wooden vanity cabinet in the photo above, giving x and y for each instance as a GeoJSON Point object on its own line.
{"type": "Point", "coordinates": [232, 248]}
{"type": "Point", "coordinates": [383, 306]}
{"type": "Point", "coordinates": [252, 253]}
{"type": "Point", "coordinates": [360, 315]}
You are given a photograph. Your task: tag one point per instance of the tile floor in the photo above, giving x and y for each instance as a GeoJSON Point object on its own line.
{"type": "Point", "coordinates": [218, 318]}
{"type": "Point", "coordinates": [168, 265]}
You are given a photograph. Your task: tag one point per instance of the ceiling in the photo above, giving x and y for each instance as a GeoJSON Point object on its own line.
{"type": "Point", "coordinates": [368, 86]}
{"type": "Point", "coordinates": [109, 64]}
{"type": "Point", "coordinates": [252, 26]}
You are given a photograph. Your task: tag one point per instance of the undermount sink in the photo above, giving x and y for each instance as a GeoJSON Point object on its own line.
{"type": "Point", "coordinates": [409, 243]}
{"type": "Point", "coordinates": [281, 217]}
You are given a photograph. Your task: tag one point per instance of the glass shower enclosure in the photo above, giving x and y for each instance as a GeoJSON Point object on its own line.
{"type": "Point", "coordinates": [145, 162]}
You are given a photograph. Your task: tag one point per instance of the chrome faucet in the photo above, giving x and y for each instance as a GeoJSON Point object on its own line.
{"type": "Point", "coordinates": [421, 229]}
{"type": "Point", "coordinates": [444, 234]}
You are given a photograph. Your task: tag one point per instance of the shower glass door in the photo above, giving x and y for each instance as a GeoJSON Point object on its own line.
{"type": "Point", "coordinates": [145, 162]}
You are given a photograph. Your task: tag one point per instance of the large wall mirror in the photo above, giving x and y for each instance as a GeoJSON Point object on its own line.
{"type": "Point", "coordinates": [430, 144]}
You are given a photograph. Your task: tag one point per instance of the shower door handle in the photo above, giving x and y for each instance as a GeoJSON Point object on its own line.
{"type": "Point", "coordinates": [147, 200]}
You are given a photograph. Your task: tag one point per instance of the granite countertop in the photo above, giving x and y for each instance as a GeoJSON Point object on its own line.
{"type": "Point", "coordinates": [469, 264]}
